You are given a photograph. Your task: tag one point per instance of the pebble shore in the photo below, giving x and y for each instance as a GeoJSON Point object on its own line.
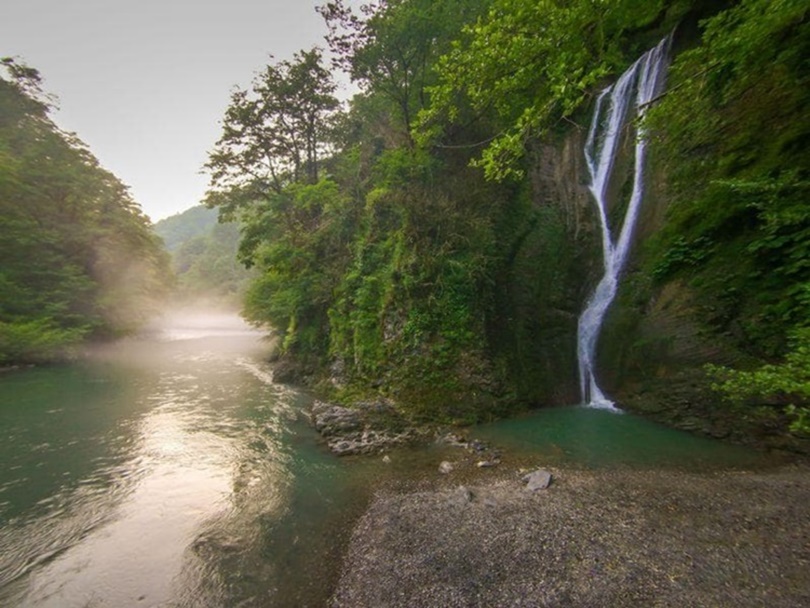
{"type": "Point", "coordinates": [613, 538]}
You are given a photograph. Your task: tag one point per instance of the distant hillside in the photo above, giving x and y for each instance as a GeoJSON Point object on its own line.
{"type": "Point", "coordinates": [181, 227]}
{"type": "Point", "coordinates": [204, 256]}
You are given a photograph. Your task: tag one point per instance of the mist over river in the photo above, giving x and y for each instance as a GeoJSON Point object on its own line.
{"type": "Point", "coordinates": [168, 470]}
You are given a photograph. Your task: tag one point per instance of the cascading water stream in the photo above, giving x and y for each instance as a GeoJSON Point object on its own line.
{"type": "Point", "coordinates": [640, 84]}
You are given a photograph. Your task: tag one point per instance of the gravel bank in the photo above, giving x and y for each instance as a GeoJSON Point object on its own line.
{"type": "Point", "coordinates": [598, 539]}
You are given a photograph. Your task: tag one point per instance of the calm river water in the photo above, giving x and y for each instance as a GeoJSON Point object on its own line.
{"type": "Point", "coordinates": [168, 471]}
{"type": "Point", "coordinates": [172, 471]}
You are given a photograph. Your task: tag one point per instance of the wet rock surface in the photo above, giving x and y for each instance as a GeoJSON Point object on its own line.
{"type": "Point", "coordinates": [591, 538]}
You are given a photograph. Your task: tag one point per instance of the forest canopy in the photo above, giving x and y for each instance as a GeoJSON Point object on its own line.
{"type": "Point", "coordinates": [79, 259]}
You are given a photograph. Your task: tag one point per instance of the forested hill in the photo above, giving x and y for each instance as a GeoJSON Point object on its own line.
{"type": "Point", "coordinates": [204, 258]}
{"type": "Point", "coordinates": [182, 227]}
{"type": "Point", "coordinates": [78, 259]}
{"type": "Point", "coordinates": [433, 242]}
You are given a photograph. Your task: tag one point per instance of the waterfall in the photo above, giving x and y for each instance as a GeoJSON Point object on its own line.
{"type": "Point", "coordinates": [637, 87]}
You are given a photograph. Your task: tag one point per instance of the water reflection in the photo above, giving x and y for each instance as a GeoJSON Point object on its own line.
{"type": "Point", "coordinates": [144, 475]}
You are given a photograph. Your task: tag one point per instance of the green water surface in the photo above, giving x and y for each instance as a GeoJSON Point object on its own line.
{"type": "Point", "coordinates": [593, 437]}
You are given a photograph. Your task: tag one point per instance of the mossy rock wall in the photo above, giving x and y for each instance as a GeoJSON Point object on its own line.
{"type": "Point", "coordinates": [548, 267]}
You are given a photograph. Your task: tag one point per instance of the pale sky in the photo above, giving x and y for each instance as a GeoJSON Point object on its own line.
{"type": "Point", "coordinates": [145, 83]}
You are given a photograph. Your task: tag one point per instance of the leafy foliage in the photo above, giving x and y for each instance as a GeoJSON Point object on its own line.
{"type": "Point", "coordinates": [788, 381]}
{"type": "Point", "coordinates": [296, 240]}
{"type": "Point", "coordinates": [733, 131]}
{"type": "Point", "coordinates": [37, 341]}
{"type": "Point", "coordinates": [531, 64]}
{"type": "Point", "coordinates": [79, 258]}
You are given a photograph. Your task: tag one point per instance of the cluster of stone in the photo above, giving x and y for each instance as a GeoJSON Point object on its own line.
{"type": "Point", "coordinates": [350, 431]}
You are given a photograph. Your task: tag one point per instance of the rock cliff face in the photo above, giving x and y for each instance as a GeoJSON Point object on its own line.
{"type": "Point", "coordinates": [557, 261]}
{"type": "Point", "coordinates": [550, 264]}
{"type": "Point", "coordinates": [558, 178]}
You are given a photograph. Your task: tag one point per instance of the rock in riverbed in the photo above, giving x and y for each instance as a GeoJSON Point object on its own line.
{"type": "Point", "coordinates": [359, 431]}
{"type": "Point", "coordinates": [537, 480]}
{"type": "Point", "coordinates": [331, 420]}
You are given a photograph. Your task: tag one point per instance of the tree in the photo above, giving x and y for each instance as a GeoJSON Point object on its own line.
{"type": "Point", "coordinates": [529, 64]}
{"type": "Point", "coordinates": [298, 242]}
{"type": "Point", "coordinates": [265, 171]}
{"type": "Point", "coordinates": [79, 258]}
{"type": "Point", "coordinates": [390, 47]}
{"type": "Point", "coordinates": [786, 383]}
{"type": "Point", "coordinates": [274, 134]}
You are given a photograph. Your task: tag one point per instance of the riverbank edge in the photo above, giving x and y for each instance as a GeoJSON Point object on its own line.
{"type": "Point", "coordinates": [614, 538]}
{"type": "Point", "coordinates": [386, 425]}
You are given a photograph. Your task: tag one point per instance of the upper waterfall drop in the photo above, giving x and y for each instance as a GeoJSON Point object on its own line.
{"type": "Point", "coordinates": [641, 83]}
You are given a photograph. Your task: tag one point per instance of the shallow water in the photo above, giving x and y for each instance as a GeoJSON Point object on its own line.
{"type": "Point", "coordinates": [595, 437]}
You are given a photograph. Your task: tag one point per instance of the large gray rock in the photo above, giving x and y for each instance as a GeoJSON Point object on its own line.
{"type": "Point", "coordinates": [537, 480]}
{"type": "Point", "coordinates": [331, 420]}
{"type": "Point", "coordinates": [360, 430]}
{"type": "Point", "coordinates": [367, 442]}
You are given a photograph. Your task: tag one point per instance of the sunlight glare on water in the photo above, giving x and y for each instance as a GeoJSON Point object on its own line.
{"type": "Point", "coordinates": [161, 474]}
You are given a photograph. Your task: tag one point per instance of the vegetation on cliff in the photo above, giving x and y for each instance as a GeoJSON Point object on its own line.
{"type": "Point", "coordinates": [78, 257]}
{"type": "Point", "coordinates": [733, 134]}
{"type": "Point", "coordinates": [401, 241]}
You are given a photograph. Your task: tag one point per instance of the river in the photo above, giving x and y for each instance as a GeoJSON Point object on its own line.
{"type": "Point", "coordinates": [170, 470]}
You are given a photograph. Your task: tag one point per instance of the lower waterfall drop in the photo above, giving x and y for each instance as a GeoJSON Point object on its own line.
{"type": "Point", "coordinates": [641, 83]}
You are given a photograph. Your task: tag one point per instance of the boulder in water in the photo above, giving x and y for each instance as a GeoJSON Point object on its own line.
{"type": "Point", "coordinates": [352, 431]}
{"type": "Point", "coordinates": [331, 420]}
